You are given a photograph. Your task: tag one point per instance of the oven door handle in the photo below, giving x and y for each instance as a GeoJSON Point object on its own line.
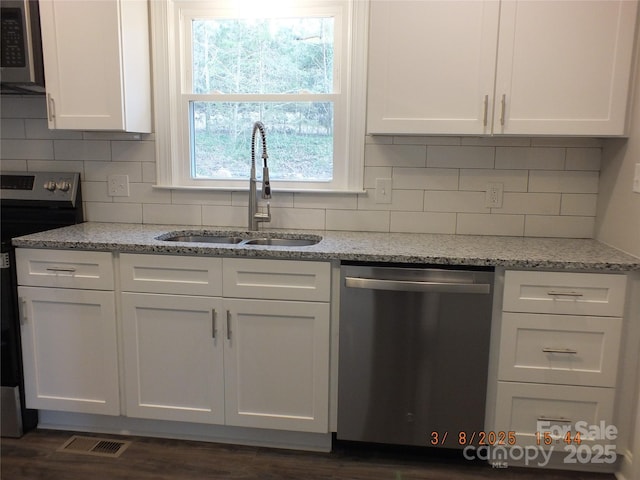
{"type": "Point", "coordinates": [414, 286]}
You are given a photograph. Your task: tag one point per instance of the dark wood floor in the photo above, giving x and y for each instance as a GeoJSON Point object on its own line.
{"type": "Point", "coordinates": [35, 457]}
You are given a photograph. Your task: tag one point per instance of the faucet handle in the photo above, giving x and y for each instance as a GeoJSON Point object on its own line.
{"type": "Point", "coordinates": [264, 217]}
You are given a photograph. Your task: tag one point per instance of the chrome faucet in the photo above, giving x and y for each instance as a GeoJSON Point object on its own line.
{"type": "Point", "coordinates": [254, 215]}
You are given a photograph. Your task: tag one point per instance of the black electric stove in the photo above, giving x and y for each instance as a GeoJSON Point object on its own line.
{"type": "Point", "coordinates": [30, 202]}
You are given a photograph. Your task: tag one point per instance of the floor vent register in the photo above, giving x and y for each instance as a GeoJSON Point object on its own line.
{"type": "Point", "coordinates": [101, 447]}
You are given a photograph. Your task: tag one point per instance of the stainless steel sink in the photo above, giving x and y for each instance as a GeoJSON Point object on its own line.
{"type": "Point", "coordinates": [241, 238]}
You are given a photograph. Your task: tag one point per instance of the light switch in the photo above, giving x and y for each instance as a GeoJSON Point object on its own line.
{"type": "Point", "coordinates": [383, 190]}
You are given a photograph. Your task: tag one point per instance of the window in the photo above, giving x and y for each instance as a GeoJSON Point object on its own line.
{"type": "Point", "coordinates": [297, 66]}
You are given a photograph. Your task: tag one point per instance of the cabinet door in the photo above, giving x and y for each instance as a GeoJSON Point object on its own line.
{"type": "Point", "coordinates": [96, 62]}
{"type": "Point", "coordinates": [277, 365]}
{"type": "Point", "coordinates": [173, 357]}
{"type": "Point", "coordinates": [564, 67]}
{"type": "Point", "coordinates": [431, 66]}
{"type": "Point", "coordinates": [69, 350]}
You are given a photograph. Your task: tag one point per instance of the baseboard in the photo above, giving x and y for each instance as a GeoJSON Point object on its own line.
{"type": "Point", "coordinates": [80, 422]}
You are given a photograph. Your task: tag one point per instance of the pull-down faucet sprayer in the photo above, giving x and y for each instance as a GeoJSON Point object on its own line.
{"type": "Point", "coordinates": [254, 215]}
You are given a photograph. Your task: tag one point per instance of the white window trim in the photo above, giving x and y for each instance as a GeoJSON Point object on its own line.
{"type": "Point", "coordinates": [168, 109]}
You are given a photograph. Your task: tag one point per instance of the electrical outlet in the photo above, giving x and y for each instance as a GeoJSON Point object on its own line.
{"type": "Point", "coordinates": [383, 190]}
{"type": "Point", "coordinates": [118, 185]}
{"type": "Point", "coordinates": [636, 179]}
{"type": "Point", "coordinates": [493, 195]}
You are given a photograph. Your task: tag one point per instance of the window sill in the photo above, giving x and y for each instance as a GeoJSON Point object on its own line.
{"type": "Point", "coordinates": [274, 190]}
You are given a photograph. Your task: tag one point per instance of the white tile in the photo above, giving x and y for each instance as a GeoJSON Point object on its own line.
{"type": "Point", "coordinates": [426, 140]}
{"type": "Point", "coordinates": [584, 159]}
{"type": "Point", "coordinates": [278, 199]}
{"type": "Point", "coordinates": [563, 182]}
{"type": "Point", "coordinates": [98, 171]}
{"type": "Point", "coordinates": [98, 150]}
{"type": "Point", "coordinates": [95, 192]}
{"type": "Point", "coordinates": [395, 155]}
{"type": "Point", "coordinates": [530, 158]}
{"type": "Point", "coordinates": [401, 200]}
{"type": "Point", "coordinates": [497, 141]}
{"type": "Point", "coordinates": [532, 203]}
{"type": "Point", "coordinates": [149, 172]}
{"type": "Point", "coordinates": [425, 178]}
{"type": "Point", "coordinates": [39, 128]}
{"type": "Point", "coordinates": [225, 216]}
{"type": "Point", "coordinates": [423, 222]}
{"type": "Point", "coordinates": [563, 226]}
{"type": "Point", "coordinates": [460, 157]}
{"type": "Point", "coordinates": [454, 201]}
{"type": "Point", "coordinates": [566, 142]}
{"type": "Point", "coordinates": [24, 107]}
{"type": "Point", "coordinates": [145, 193]}
{"type": "Point", "coordinates": [113, 212]}
{"type": "Point", "coordinates": [172, 214]}
{"type": "Point", "coordinates": [490, 224]}
{"type": "Point", "coordinates": [297, 218]}
{"type": "Point", "coordinates": [19, 149]}
{"type": "Point", "coordinates": [583, 204]}
{"type": "Point", "coordinates": [372, 173]}
{"type": "Point", "coordinates": [13, 165]}
{"type": "Point", "coordinates": [320, 200]}
{"type": "Point", "coordinates": [359, 220]}
{"type": "Point", "coordinates": [477, 179]}
{"type": "Point", "coordinates": [132, 151]}
{"type": "Point", "coordinates": [57, 166]}
{"type": "Point", "coordinates": [199, 197]}
{"type": "Point", "coordinates": [12, 128]}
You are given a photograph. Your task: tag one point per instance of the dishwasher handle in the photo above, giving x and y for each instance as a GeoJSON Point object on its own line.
{"type": "Point", "coordinates": [416, 286]}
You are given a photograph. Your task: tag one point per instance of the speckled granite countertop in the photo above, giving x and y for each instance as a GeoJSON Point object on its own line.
{"type": "Point", "coordinates": [514, 252]}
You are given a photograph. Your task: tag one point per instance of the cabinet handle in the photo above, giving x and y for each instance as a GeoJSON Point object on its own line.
{"type": "Point", "coordinates": [503, 103]}
{"type": "Point", "coordinates": [228, 325]}
{"type": "Point", "coordinates": [52, 107]}
{"type": "Point", "coordinates": [23, 311]}
{"type": "Point", "coordinates": [213, 323]}
{"type": "Point", "coordinates": [554, 419]}
{"type": "Point", "coordinates": [61, 269]}
{"type": "Point", "coordinates": [557, 293]}
{"type": "Point", "coordinates": [560, 350]}
{"type": "Point", "coordinates": [485, 110]}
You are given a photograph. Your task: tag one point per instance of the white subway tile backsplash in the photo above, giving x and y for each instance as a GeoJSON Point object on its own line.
{"type": "Point", "coordinates": [57, 166]}
{"type": "Point", "coordinates": [145, 193]}
{"type": "Point", "coordinates": [579, 204]}
{"type": "Point", "coordinates": [373, 173]}
{"type": "Point", "coordinates": [530, 203]}
{"type": "Point", "coordinates": [97, 171]}
{"type": "Point", "coordinates": [563, 182]}
{"type": "Point", "coordinates": [24, 107]}
{"type": "Point", "coordinates": [96, 192]}
{"type": "Point", "coordinates": [149, 172]}
{"type": "Point", "coordinates": [490, 224]}
{"type": "Point", "coordinates": [566, 142]}
{"type": "Point", "coordinates": [98, 150]}
{"type": "Point", "coordinates": [395, 155]}
{"type": "Point", "coordinates": [362, 220]}
{"type": "Point", "coordinates": [225, 216]}
{"type": "Point", "coordinates": [130, 151]}
{"type": "Point", "coordinates": [530, 158]}
{"type": "Point", "coordinates": [12, 128]}
{"type": "Point", "coordinates": [460, 157]}
{"type": "Point", "coordinates": [454, 201]}
{"type": "Point", "coordinates": [199, 197]}
{"type": "Point", "coordinates": [172, 214]}
{"type": "Point", "coordinates": [497, 141]}
{"type": "Point", "coordinates": [425, 178]}
{"type": "Point", "coordinates": [583, 159]}
{"type": "Point", "coordinates": [13, 165]}
{"type": "Point", "coordinates": [426, 140]}
{"type": "Point", "coordinates": [407, 200]}
{"type": "Point", "coordinates": [38, 128]}
{"type": "Point", "coordinates": [555, 226]}
{"type": "Point", "coordinates": [476, 179]}
{"type": "Point", "coordinates": [319, 200]}
{"type": "Point", "coordinates": [423, 222]}
{"type": "Point", "coordinates": [304, 218]}
{"type": "Point", "coordinates": [113, 212]}
{"type": "Point", "coordinates": [19, 149]}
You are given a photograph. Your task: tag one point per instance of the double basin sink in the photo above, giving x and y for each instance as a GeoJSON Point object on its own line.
{"type": "Point", "coordinates": [241, 238]}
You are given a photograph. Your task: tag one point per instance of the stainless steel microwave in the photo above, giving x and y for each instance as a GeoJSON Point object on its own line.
{"type": "Point", "coordinates": [21, 68]}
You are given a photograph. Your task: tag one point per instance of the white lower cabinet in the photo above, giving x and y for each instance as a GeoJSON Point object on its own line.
{"type": "Point", "coordinates": [253, 362]}
{"type": "Point", "coordinates": [69, 349]}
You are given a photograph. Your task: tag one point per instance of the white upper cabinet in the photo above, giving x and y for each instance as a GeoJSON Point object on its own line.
{"type": "Point", "coordinates": [97, 64]}
{"type": "Point", "coordinates": [513, 67]}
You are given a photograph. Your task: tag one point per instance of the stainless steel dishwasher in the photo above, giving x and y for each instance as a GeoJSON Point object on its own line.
{"type": "Point", "coordinates": [413, 357]}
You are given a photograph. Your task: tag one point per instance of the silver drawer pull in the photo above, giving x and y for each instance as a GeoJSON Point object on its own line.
{"type": "Point", "coordinates": [560, 350]}
{"type": "Point", "coordinates": [61, 269]}
{"type": "Point", "coordinates": [556, 293]}
{"type": "Point", "coordinates": [213, 323]}
{"type": "Point", "coordinates": [554, 419]}
{"type": "Point", "coordinates": [228, 325]}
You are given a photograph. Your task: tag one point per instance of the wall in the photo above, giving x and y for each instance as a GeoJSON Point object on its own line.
{"type": "Point", "coordinates": [551, 185]}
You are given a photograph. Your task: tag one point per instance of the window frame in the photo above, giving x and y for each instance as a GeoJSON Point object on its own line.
{"type": "Point", "coordinates": [173, 161]}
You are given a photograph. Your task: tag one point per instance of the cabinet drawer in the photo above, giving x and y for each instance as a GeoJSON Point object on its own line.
{"type": "Point", "coordinates": [562, 349]}
{"type": "Point", "coordinates": [173, 274]}
{"type": "Point", "coordinates": [529, 408]}
{"type": "Point", "coordinates": [64, 269]}
{"type": "Point", "coordinates": [277, 279]}
{"type": "Point", "coordinates": [565, 293]}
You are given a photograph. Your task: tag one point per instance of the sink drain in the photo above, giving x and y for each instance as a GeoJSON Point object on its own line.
{"type": "Point", "coordinates": [101, 447]}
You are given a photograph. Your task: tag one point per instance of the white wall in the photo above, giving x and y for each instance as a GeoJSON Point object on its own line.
{"type": "Point", "coordinates": [551, 185]}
